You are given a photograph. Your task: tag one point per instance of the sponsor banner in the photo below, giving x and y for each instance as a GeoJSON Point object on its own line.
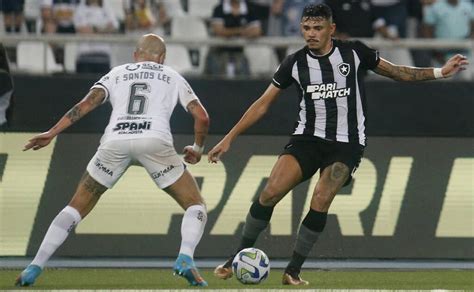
{"type": "Point", "coordinates": [394, 108]}
{"type": "Point", "coordinates": [411, 198]}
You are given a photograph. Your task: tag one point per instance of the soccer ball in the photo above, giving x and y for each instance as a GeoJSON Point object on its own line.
{"type": "Point", "coordinates": [251, 266]}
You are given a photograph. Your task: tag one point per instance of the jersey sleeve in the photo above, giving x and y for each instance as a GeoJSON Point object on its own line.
{"type": "Point", "coordinates": [185, 93]}
{"type": "Point", "coordinates": [369, 58]}
{"type": "Point", "coordinates": [105, 83]}
{"type": "Point", "coordinates": [282, 77]}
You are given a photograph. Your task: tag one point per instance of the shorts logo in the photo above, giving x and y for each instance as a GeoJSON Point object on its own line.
{"type": "Point", "coordinates": [158, 174]}
{"type": "Point", "coordinates": [103, 168]}
{"type": "Point", "coordinates": [344, 69]}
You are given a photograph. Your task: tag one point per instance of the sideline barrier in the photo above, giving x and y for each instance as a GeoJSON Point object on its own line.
{"type": "Point", "coordinates": [411, 198]}
{"type": "Point", "coordinates": [394, 109]}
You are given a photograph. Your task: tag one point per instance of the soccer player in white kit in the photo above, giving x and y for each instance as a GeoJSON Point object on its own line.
{"type": "Point", "coordinates": [143, 96]}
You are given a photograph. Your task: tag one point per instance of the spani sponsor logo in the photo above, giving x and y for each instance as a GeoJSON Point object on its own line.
{"type": "Point", "coordinates": [132, 127]}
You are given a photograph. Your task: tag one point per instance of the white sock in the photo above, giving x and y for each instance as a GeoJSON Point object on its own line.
{"type": "Point", "coordinates": [57, 232]}
{"type": "Point", "coordinates": [192, 228]}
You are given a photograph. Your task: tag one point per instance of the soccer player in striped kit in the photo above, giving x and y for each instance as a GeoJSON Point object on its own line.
{"type": "Point", "coordinates": [330, 131]}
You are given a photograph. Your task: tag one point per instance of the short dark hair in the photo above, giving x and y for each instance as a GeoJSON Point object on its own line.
{"type": "Point", "coordinates": [319, 10]}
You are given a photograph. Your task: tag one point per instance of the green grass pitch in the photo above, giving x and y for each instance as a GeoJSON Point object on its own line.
{"type": "Point", "coordinates": [100, 279]}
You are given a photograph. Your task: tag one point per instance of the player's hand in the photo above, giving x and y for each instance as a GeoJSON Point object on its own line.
{"type": "Point", "coordinates": [215, 154]}
{"type": "Point", "coordinates": [39, 141]}
{"type": "Point", "coordinates": [191, 156]}
{"type": "Point", "coordinates": [454, 65]}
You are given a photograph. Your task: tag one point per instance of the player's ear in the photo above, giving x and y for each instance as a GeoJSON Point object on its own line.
{"type": "Point", "coordinates": [333, 28]}
{"type": "Point", "coordinates": [161, 58]}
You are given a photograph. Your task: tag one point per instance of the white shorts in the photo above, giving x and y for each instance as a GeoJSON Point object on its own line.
{"type": "Point", "coordinates": [157, 156]}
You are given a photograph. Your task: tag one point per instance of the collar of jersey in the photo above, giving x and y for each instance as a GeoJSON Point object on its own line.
{"type": "Point", "coordinates": [309, 53]}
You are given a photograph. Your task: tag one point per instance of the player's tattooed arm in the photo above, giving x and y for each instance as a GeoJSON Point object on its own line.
{"type": "Point", "coordinates": [403, 73]}
{"type": "Point", "coordinates": [201, 121]}
{"type": "Point", "coordinates": [93, 99]}
{"type": "Point", "coordinates": [74, 114]}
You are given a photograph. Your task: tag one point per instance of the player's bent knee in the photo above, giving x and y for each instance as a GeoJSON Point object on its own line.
{"type": "Point", "coordinates": [270, 196]}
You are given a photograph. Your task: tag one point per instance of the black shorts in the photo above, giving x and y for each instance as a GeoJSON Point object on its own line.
{"type": "Point", "coordinates": [313, 153]}
{"type": "Point", "coordinates": [12, 6]}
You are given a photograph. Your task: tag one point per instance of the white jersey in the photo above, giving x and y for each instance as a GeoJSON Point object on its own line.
{"type": "Point", "coordinates": [143, 96]}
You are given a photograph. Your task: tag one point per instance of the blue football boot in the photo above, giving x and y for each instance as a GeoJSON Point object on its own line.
{"type": "Point", "coordinates": [28, 276]}
{"type": "Point", "coordinates": [185, 267]}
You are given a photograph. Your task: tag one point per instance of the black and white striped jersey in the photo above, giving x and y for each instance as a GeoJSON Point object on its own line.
{"type": "Point", "coordinates": [331, 90]}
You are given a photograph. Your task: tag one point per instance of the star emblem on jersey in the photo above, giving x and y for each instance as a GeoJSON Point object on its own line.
{"type": "Point", "coordinates": [344, 69]}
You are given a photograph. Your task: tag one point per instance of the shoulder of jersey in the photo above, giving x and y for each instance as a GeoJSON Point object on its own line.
{"type": "Point", "coordinates": [343, 43]}
{"type": "Point", "coordinates": [346, 43]}
{"type": "Point", "coordinates": [166, 67]}
{"type": "Point", "coordinates": [121, 67]}
{"type": "Point", "coordinates": [131, 67]}
{"type": "Point", "coordinates": [294, 55]}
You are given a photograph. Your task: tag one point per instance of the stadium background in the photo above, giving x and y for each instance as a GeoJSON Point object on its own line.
{"type": "Point", "coordinates": [412, 197]}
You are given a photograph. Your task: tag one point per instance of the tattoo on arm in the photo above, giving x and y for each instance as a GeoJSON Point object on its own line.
{"type": "Point", "coordinates": [93, 99]}
{"type": "Point", "coordinates": [92, 186]}
{"type": "Point", "coordinates": [74, 114]}
{"type": "Point", "coordinates": [201, 127]}
{"type": "Point", "coordinates": [191, 106]}
{"type": "Point", "coordinates": [404, 73]}
{"type": "Point", "coordinates": [96, 96]}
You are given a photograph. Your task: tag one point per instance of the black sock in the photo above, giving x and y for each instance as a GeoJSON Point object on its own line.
{"type": "Point", "coordinates": [295, 264]}
{"type": "Point", "coordinates": [256, 221]}
{"type": "Point", "coordinates": [228, 263]}
{"type": "Point", "coordinates": [315, 220]}
{"type": "Point", "coordinates": [312, 225]}
{"type": "Point", "coordinates": [258, 211]}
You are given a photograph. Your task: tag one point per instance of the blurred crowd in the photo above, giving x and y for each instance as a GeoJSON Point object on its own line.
{"type": "Point", "coordinates": [388, 19]}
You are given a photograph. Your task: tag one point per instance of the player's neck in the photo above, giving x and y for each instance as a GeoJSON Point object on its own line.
{"type": "Point", "coordinates": [322, 52]}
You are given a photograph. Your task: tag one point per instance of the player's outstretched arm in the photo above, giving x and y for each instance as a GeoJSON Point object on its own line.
{"type": "Point", "coordinates": [94, 98]}
{"type": "Point", "coordinates": [254, 113]}
{"type": "Point", "coordinates": [454, 65]}
{"type": "Point", "coordinates": [192, 154]}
